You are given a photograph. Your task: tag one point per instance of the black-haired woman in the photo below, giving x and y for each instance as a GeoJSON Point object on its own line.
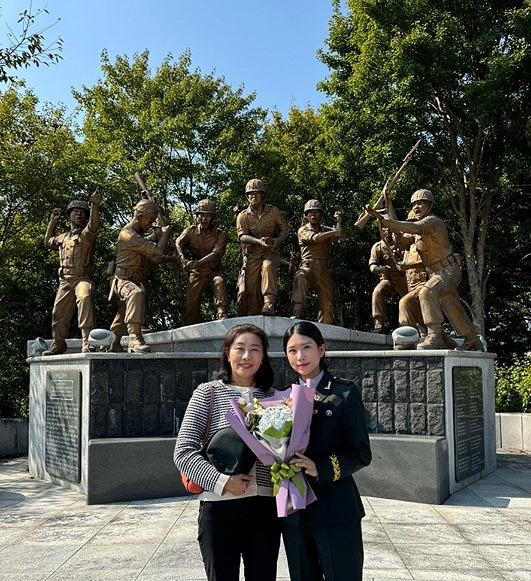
{"type": "Point", "coordinates": [237, 514]}
{"type": "Point", "coordinates": [324, 540]}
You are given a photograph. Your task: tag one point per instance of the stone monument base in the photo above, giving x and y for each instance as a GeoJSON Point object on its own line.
{"type": "Point", "coordinates": [105, 424]}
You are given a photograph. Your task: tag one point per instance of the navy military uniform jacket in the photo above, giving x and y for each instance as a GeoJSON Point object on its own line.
{"type": "Point", "coordinates": [339, 446]}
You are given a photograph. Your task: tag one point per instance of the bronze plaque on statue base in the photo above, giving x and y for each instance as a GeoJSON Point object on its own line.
{"type": "Point", "coordinates": [468, 421]}
{"type": "Point", "coordinates": [63, 424]}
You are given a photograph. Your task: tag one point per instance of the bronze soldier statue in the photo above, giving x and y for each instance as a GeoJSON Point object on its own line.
{"type": "Point", "coordinates": [76, 255]}
{"type": "Point", "coordinates": [261, 229]}
{"type": "Point", "coordinates": [206, 245]}
{"type": "Point", "coordinates": [392, 282]}
{"type": "Point", "coordinates": [315, 270]}
{"type": "Point", "coordinates": [135, 256]}
{"type": "Point", "coordinates": [409, 312]}
{"type": "Point", "coordinates": [438, 295]}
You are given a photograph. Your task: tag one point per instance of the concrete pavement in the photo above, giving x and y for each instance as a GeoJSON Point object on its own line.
{"type": "Point", "coordinates": [49, 533]}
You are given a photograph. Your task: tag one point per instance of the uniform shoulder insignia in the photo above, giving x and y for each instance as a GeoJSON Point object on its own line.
{"type": "Point", "coordinates": [344, 381]}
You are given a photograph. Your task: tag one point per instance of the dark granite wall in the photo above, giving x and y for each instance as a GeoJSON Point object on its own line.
{"type": "Point", "coordinates": [147, 397]}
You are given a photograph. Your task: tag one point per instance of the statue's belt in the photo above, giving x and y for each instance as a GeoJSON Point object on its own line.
{"type": "Point", "coordinates": [66, 271]}
{"type": "Point", "coordinates": [311, 262]}
{"type": "Point", "coordinates": [444, 263]}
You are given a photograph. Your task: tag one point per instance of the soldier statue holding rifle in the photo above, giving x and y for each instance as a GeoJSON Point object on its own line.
{"type": "Point", "coordinates": [261, 229]}
{"type": "Point", "coordinates": [136, 257]}
{"type": "Point", "coordinates": [383, 262]}
{"type": "Point", "coordinates": [438, 295]}
{"type": "Point", "coordinates": [205, 244]}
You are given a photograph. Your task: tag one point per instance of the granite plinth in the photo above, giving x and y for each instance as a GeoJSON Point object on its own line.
{"type": "Point", "coordinates": [128, 399]}
{"type": "Point", "coordinates": [208, 337]}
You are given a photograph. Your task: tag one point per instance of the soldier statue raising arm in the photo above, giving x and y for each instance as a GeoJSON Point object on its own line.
{"type": "Point", "coordinates": [438, 296]}
{"type": "Point", "coordinates": [76, 256]}
{"type": "Point", "coordinates": [315, 269]}
{"type": "Point", "coordinates": [135, 256]}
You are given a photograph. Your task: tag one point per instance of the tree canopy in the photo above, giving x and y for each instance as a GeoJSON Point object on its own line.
{"type": "Point", "coordinates": [26, 48]}
{"type": "Point", "coordinates": [453, 74]}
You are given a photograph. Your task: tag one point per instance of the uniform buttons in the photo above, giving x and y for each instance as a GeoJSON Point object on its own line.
{"type": "Point", "coordinates": [328, 412]}
{"type": "Point", "coordinates": [314, 412]}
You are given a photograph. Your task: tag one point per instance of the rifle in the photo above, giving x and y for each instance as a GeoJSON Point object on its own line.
{"type": "Point", "coordinates": [390, 184]}
{"type": "Point", "coordinates": [290, 264]}
{"type": "Point", "coordinates": [162, 219]}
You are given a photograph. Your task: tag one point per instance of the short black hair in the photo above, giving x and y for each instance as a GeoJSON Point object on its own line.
{"type": "Point", "coordinates": [308, 330]}
{"type": "Point", "coordinates": [265, 375]}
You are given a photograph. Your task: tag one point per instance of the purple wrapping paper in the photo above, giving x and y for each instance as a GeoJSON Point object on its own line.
{"type": "Point", "coordinates": [288, 498]}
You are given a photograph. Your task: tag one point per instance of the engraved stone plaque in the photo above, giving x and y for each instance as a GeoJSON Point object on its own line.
{"type": "Point", "coordinates": [469, 439]}
{"type": "Point", "coordinates": [63, 424]}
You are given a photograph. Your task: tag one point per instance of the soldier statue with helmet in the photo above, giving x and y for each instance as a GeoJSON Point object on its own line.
{"type": "Point", "coordinates": [135, 256]}
{"type": "Point", "coordinates": [383, 262]}
{"type": "Point", "coordinates": [315, 269]}
{"type": "Point", "coordinates": [438, 296]}
{"type": "Point", "coordinates": [206, 246]}
{"type": "Point", "coordinates": [261, 229]}
{"type": "Point", "coordinates": [76, 255]}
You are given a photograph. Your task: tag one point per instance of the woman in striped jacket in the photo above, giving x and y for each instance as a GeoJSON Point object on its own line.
{"type": "Point", "coordinates": [237, 514]}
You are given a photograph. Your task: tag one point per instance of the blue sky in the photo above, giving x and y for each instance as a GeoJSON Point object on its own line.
{"type": "Point", "coordinates": [269, 46]}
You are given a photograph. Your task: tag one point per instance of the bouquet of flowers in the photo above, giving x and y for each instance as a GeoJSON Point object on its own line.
{"type": "Point", "coordinates": [275, 428]}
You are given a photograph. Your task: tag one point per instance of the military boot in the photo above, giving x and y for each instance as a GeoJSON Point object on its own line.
{"type": "Point", "coordinates": [378, 326]}
{"type": "Point", "coordinates": [434, 339]}
{"type": "Point", "coordinates": [85, 347]}
{"type": "Point", "coordinates": [471, 343]}
{"type": "Point", "coordinates": [56, 348]}
{"type": "Point", "coordinates": [268, 308]}
{"type": "Point", "coordinates": [297, 311]}
{"type": "Point", "coordinates": [136, 340]}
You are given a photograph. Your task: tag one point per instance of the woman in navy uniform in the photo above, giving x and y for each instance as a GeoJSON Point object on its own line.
{"type": "Point", "coordinates": [324, 540]}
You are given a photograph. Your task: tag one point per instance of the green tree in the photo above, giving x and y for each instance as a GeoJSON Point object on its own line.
{"type": "Point", "coordinates": [26, 48]}
{"type": "Point", "coordinates": [298, 157]}
{"type": "Point", "coordinates": [38, 171]}
{"type": "Point", "coordinates": [513, 385]}
{"type": "Point", "coordinates": [188, 133]}
{"type": "Point", "coordinates": [457, 75]}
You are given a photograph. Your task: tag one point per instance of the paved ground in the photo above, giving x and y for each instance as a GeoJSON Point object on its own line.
{"type": "Point", "coordinates": [46, 532]}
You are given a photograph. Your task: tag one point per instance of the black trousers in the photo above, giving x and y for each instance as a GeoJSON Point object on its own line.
{"type": "Point", "coordinates": [332, 552]}
{"type": "Point", "coordinates": [246, 528]}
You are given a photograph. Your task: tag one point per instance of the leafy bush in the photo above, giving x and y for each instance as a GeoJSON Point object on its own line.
{"type": "Point", "coordinates": [513, 386]}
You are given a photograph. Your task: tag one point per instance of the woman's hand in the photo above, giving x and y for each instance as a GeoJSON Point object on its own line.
{"type": "Point", "coordinates": [306, 464]}
{"type": "Point", "coordinates": [237, 484]}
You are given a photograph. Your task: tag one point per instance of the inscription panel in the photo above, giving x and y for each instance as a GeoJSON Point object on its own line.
{"type": "Point", "coordinates": [63, 424]}
{"type": "Point", "coordinates": [469, 437]}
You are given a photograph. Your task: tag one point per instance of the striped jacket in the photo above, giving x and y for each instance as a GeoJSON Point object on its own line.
{"type": "Point", "coordinates": [187, 456]}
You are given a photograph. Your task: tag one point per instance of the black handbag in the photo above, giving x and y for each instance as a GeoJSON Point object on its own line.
{"type": "Point", "coordinates": [225, 450]}
{"type": "Point", "coordinates": [229, 453]}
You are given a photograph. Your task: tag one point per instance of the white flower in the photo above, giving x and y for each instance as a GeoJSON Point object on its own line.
{"type": "Point", "coordinates": [275, 417]}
